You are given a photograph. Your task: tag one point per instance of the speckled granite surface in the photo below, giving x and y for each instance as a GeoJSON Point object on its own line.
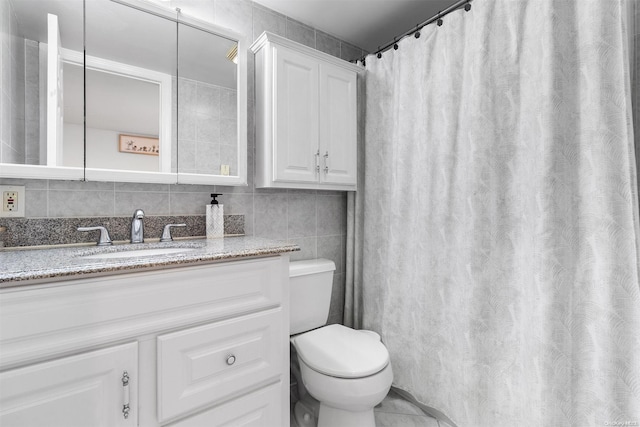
{"type": "Point", "coordinates": [62, 231]}
{"type": "Point", "coordinates": [23, 267]}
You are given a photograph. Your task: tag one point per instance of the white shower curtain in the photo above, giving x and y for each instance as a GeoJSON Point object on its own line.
{"type": "Point", "coordinates": [499, 217]}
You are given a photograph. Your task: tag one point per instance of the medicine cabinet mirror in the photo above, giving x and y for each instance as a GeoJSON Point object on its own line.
{"type": "Point", "coordinates": [142, 94]}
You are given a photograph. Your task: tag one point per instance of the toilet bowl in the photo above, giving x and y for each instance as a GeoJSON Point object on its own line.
{"type": "Point", "coordinates": [346, 370]}
{"type": "Point", "coordinates": [347, 402]}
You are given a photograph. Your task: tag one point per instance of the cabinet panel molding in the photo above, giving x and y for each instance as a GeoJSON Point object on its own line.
{"type": "Point", "coordinates": [296, 102]}
{"type": "Point", "coordinates": [338, 133]}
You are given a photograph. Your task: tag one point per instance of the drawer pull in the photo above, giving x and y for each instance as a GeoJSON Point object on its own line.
{"type": "Point", "coordinates": [326, 163]}
{"type": "Point", "coordinates": [231, 359]}
{"type": "Point", "coordinates": [125, 403]}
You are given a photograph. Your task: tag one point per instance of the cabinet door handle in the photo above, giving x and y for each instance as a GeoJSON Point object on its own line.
{"type": "Point", "coordinates": [125, 400]}
{"type": "Point", "coordinates": [326, 162]}
{"type": "Point", "coordinates": [318, 161]}
{"type": "Point", "coordinates": [231, 359]}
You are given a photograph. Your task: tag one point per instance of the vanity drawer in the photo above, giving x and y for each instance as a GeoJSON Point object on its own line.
{"type": "Point", "coordinates": [258, 408]}
{"type": "Point", "coordinates": [206, 364]}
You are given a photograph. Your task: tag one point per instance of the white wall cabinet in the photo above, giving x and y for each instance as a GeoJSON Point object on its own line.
{"type": "Point", "coordinates": [201, 345]}
{"type": "Point", "coordinates": [306, 117]}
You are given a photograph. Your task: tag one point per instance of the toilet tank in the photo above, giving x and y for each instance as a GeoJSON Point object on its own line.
{"type": "Point", "coordinates": [310, 285]}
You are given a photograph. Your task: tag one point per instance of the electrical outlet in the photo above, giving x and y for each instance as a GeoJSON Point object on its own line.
{"type": "Point", "coordinates": [13, 201]}
{"type": "Point", "coordinates": [224, 170]}
{"type": "Point", "coordinates": [10, 201]}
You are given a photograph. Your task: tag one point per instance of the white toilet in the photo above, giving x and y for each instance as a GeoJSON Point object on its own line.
{"type": "Point", "coordinates": [346, 370]}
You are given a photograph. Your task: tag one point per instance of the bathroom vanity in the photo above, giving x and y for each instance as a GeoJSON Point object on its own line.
{"type": "Point", "coordinates": [102, 337]}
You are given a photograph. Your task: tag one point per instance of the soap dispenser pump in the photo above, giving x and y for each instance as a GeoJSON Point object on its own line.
{"type": "Point", "coordinates": [215, 218]}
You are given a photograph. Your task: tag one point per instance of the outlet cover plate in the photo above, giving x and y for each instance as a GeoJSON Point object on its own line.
{"type": "Point", "coordinates": [18, 202]}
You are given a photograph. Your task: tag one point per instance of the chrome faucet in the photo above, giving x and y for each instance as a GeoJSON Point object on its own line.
{"type": "Point", "coordinates": [104, 239]}
{"type": "Point", "coordinates": [166, 232]}
{"type": "Point", "coordinates": [137, 227]}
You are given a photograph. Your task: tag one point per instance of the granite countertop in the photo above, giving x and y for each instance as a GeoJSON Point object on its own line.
{"type": "Point", "coordinates": [22, 267]}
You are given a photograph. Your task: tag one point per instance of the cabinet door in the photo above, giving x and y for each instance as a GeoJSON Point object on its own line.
{"type": "Point", "coordinates": [296, 117]}
{"type": "Point", "coordinates": [82, 390]}
{"type": "Point", "coordinates": [338, 125]}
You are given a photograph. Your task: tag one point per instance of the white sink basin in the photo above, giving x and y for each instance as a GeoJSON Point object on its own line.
{"type": "Point", "coordinates": [136, 253]}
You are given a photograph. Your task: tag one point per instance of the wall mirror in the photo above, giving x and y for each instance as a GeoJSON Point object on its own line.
{"type": "Point", "coordinates": [207, 106]}
{"type": "Point", "coordinates": [145, 95]}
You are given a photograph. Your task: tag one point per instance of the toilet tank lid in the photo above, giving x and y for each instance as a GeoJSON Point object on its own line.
{"type": "Point", "coordinates": [310, 266]}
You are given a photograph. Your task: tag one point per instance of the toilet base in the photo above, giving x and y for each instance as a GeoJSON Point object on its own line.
{"type": "Point", "coordinates": [334, 417]}
{"type": "Point", "coordinates": [306, 412]}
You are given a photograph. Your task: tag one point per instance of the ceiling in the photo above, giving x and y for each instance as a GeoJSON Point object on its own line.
{"type": "Point", "coordinates": [367, 24]}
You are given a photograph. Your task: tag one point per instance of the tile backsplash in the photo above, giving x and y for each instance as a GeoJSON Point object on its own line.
{"type": "Point", "coordinates": [21, 232]}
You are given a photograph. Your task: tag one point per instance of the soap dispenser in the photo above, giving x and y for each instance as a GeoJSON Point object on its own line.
{"type": "Point", "coordinates": [215, 218]}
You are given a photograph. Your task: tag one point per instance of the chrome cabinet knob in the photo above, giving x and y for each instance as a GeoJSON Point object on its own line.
{"type": "Point", "coordinates": [231, 359]}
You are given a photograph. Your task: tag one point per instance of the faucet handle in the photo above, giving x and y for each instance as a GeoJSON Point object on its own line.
{"type": "Point", "coordinates": [104, 239]}
{"type": "Point", "coordinates": [138, 214]}
{"type": "Point", "coordinates": [166, 233]}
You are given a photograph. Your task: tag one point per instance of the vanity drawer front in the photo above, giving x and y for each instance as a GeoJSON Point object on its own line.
{"type": "Point", "coordinates": [260, 408]}
{"type": "Point", "coordinates": [202, 365]}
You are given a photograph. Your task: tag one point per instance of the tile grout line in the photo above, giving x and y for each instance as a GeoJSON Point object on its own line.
{"type": "Point", "coordinates": [114, 198]}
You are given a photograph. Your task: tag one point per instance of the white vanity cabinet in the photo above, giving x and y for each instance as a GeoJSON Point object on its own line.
{"type": "Point", "coordinates": [206, 344]}
{"type": "Point", "coordinates": [306, 117]}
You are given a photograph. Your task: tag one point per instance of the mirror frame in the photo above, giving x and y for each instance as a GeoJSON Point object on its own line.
{"type": "Point", "coordinates": [22, 171]}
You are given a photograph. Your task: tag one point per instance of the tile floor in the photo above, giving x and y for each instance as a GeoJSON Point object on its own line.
{"type": "Point", "coordinates": [394, 411]}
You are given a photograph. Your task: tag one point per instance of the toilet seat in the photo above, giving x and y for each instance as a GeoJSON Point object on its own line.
{"type": "Point", "coordinates": [342, 352]}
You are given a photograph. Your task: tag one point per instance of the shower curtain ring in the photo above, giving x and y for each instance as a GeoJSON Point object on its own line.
{"type": "Point", "coordinates": [395, 44]}
{"type": "Point", "coordinates": [439, 22]}
{"type": "Point", "coordinates": [467, 7]}
{"type": "Point", "coordinates": [417, 32]}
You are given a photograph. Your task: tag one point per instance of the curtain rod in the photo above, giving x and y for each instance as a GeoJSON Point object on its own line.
{"type": "Point", "coordinates": [437, 17]}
